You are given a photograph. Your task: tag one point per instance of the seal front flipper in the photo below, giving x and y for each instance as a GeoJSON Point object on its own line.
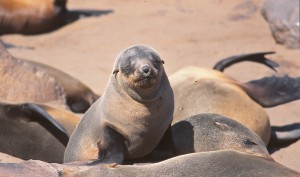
{"type": "Point", "coordinates": [111, 148]}
{"type": "Point", "coordinates": [283, 136]}
{"type": "Point", "coordinates": [30, 112]}
{"type": "Point", "coordinates": [254, 57]}
{"type": "Point", "coordinates": [273, 91]}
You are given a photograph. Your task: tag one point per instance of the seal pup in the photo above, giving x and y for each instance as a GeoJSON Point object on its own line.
{"type": "Point", "coordinates": [132, 115]}
{"type": "Point", "coordinates": [200, 90]}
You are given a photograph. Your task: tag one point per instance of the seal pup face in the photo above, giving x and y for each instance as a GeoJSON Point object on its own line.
{"type": "Point", "coordinates": [139, 69]}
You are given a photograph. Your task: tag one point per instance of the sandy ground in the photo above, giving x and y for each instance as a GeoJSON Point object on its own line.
{"type": "Point", "coordinates": [185, 33]}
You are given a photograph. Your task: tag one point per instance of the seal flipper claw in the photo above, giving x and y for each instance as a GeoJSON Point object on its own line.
{"type": "Point", "coordinates": [254, 57]}
{"type": "Point", "coordinates": [30, 112]}
{"type": "Point", "coordinates": [283, 136]}
{"type": "Point", "coordinates": [274, 90]}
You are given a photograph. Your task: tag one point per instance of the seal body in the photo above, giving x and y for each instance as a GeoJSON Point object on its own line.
{"type": "Point", "coordinates": [200, 90]}
{"type": "Point", "coordinates": [58, 88]}
{"type": "Point", "coordinates": [132, 115]}
{"type": "Point", "coordinates": [15, 75]}
{"type": "Point", "coordinates": [25, 133]}
{"type": "Point", "coordinates": [213, 132]}
{"type": "Point", "coordinates": [30, 16]}
{"type": "Point", "coordinates": [226, 163]}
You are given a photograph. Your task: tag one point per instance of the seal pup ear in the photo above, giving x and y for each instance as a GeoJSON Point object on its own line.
{"type": "Point", "coordinates": [116, 71]}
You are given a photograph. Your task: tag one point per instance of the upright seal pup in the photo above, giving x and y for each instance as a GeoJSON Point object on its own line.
{"type": "Point", "coordinates": [132, 115]}
{"type": "Point", "coordinates": [200, 90]}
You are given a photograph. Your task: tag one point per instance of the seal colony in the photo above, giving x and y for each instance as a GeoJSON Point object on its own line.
{"type": "Point", "coordinates": [132, 115]}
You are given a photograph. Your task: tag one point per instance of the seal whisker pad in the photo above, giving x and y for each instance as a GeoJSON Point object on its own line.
{"type": "Point", "coordinates": [133, 114]}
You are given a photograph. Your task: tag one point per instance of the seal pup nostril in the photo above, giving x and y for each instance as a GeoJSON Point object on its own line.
{"type": "Point", "coordinates": [146, 69]}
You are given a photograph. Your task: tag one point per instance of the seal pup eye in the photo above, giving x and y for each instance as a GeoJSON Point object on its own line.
{"type": "Point", "coordinates": [115, 71]}
{"type": "Point", "coordinates": [249, 142]}
{"type": "Point", "coordinates": [162, 61]}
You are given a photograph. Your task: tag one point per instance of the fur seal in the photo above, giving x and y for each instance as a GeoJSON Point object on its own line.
{"type": "Point", "coordinates": [200, 90]}
{"type": "Point", "coordinates": [132, 115]}
{"type": "Point", "coordinates": [59, 89]}
{"type": "Point", "coordinates": [225, 163]}
{"type": "Point", "coordinates": [79, 97]}
{"type": "Point", "coordinates": [30, 17]}
{"type": "Point", "coordinates": [15, 76]}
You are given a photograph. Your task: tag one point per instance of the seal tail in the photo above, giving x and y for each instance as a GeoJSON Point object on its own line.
{"type": "Point", "coordinates": [254, 57]}
{"type": "Point", "coordinates": [29, 112]}
{"type": "Point", "coordinates": [282, 136]}
{"type": "Point", "coordinates": [274, 90]}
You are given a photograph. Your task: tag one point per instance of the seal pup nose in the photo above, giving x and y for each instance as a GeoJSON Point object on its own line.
{"type": "Point", "coordinates": [146, 69]}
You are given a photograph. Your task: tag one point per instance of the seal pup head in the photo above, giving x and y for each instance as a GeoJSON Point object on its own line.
{"type": "Point", "coordinates": [139, 70]}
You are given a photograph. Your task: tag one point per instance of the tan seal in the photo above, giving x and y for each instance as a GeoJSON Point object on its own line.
{"type": "Point", "coordinates": [47, 84]}
{"type": "Point", "coordinates": [30, 16]}
{"type": "Point", "coordinates": [201, 90]}
{"type": "Point", "coordinates": [132, 115]}
{"type": "Point", "coordinates": [226, 163]}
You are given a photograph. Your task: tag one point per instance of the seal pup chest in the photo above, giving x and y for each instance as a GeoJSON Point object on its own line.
{"type": "Point", "coordinates": [139, 123]}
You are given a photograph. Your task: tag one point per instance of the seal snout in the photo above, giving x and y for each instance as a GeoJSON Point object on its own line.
{"type": "Point", "coordinates": [146, 69]}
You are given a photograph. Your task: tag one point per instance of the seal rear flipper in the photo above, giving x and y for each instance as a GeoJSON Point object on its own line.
{"type": "Point", "coordinates": [283, 136]}
{"type": "Point", "coordinates": [254, 57]}
{"type": "Point", "coordinates": [30, 112]}
{"type": "Point", "coordinates": [273, 91]}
